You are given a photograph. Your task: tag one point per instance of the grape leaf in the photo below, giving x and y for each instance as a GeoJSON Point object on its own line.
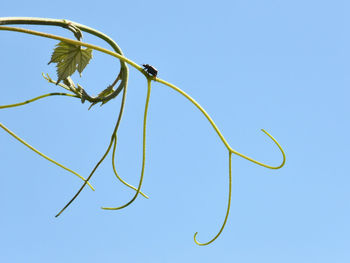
{"type": "Point", "coordinates": [70, 58]}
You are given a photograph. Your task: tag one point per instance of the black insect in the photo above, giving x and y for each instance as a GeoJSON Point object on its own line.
{"type": "Point", "coordinates": [150, 70]}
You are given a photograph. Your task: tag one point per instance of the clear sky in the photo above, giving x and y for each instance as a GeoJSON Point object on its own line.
{"type": "Point", "coordinates": [278, 65]}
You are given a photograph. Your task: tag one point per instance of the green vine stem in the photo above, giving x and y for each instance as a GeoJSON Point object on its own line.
{"type": "Point", "coordinates": [43, 155]}
{"type": "Point", "coordinates": [37, 98]}
{"type": "Point", "coordinates": [116, 173]}
{"type": "Point", "coordinates": [87, 180]}
{"type": "Point", "coordinates": [229, 148]}
{"type": "Point", "coordinates": [73, 42]}
{"type": "Point", "coordinates": [113, 138]}
{"type": "Point", "coordinates": [143, 150]}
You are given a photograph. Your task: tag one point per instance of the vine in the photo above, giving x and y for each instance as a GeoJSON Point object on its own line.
{"type": "Point", "coordinates": [74, 55]}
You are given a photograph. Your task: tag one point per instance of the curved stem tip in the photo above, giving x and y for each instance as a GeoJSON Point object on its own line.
{"type": "Point", "coordinates": [227, 210]}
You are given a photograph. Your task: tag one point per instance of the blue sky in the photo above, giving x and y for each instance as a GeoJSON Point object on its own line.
{"type": "Point", "coordinates": [278, 65]}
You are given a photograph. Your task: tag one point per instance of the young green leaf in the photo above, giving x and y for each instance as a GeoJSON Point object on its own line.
{"type": "Point", "coordinates": [70, 58]}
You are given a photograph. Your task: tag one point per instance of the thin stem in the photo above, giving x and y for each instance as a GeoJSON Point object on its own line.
{"type": "Point", "coordinates": [227, 210]}
{"type": "Point", "coordinates": [106, 153]}
{"type": "Point", "coordinates": [73, 42]}
{"type": "Point", "coordinates": [93, 171]}
{"type": "Point", "coordinates": [143, 150]}
{"type": "Point", "coordinates": [219, 133]}
{"type": "Point", "coordinates": [116, 173]}
{"type": "Point", "coordinates": [36, 98]}
{"type": "Point", "coordinates": [61, 23]}
{"type": "Point", "coordinates": [43, 155]}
